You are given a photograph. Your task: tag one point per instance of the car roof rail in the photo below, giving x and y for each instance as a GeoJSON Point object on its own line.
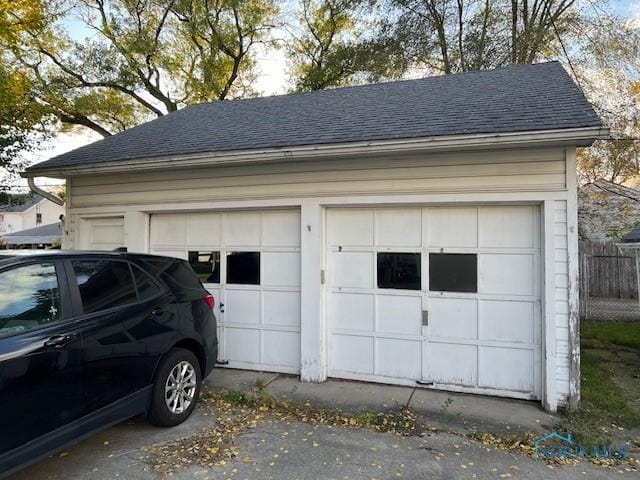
{"type": "Point", "coordinates": [120, 249]}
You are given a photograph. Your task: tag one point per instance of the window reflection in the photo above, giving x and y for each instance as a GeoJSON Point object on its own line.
{"type": "Point", "coordinates": [29, 298]}
{"type": "Point", "coordinates": [145, 286]}
{"type": "Point", "coordinates": [104, 284]}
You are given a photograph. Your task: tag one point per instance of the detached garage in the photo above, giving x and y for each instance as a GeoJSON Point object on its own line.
{"type": "Point", "coordinates": [421, 232]}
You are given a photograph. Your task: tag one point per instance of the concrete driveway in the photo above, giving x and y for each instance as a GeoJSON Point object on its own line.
{"type": "Point", "coordinates": [273, 447]}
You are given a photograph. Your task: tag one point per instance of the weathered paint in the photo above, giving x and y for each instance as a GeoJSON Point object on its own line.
{"type": "Point", "coordinates": [376, 333]}
{"type": "Point", "coordinates": [574, 280]}
{"type": "Point", "coordinates": [533, 176]}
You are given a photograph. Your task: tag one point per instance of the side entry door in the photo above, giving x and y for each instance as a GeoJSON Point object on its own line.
{"type": "Point", "coordinates": [40, 358]}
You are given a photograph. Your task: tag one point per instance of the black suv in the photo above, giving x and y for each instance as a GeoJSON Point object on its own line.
{"type": "Point", "coordinates": [89, 339]}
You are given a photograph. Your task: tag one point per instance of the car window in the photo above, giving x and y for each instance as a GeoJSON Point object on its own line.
{"type": "Point", "coordinates": [104, 284]}
{"type": "Point", "coordinates": [177, 274]}
{"type": "Point", "coordinates": [147, 288]}
{"type": "Point", "coordinates": [29, 298]}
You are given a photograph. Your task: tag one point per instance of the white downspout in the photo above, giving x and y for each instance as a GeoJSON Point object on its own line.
{"type": "Point", "coordinates": [48, 195]}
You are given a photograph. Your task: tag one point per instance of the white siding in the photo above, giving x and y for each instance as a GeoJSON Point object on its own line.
{"type": "Point", "coordinates": [50, 214]}
{"type": "Point", "coordinates": [533, 176]}
{"type": "Point", "coordinates": [16, 221]}
{"type": "Point", "coordinates": [561, 299]}
{"type": "Point", "coordinates": [490, 171]}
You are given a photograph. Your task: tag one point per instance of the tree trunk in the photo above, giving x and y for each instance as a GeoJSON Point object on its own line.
{"type": "Point", "coordinates": [77, 119]}
{"type": "Point", "coordinates": [514, 31]}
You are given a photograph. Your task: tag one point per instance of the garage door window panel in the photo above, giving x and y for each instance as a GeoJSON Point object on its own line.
{"type": "Point", "coordinates": [206, 265]}
{"type": "Point", "coordinates": [399, 271]}
{"type": "Point", "coordinates": [243, 268]}
{"type": "Point", "coordinates": [453, 272]}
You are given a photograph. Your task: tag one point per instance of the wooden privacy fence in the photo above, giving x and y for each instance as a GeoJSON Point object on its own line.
{"type": "Point", "coordinates": [608, 282]}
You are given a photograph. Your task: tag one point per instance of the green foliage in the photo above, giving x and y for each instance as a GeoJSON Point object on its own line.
{"type": "Point", "coordinates": [22, 125]}
{"type": "Point", "coordinates": [444, 415]}
{"type": "Point", "coordinates": [139, 60]}
{"type": "Point", "coordinates": [22, 118]}
{"type": "Point", "coordinates": [395, 421]}
{"type": "Point", "coordinates": [335, 44]}
{"type": "Point", "coordinates": [237, 397]}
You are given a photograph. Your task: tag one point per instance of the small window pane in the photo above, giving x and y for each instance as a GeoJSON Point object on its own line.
{"type": "Point", "coordinates": [243, 268]}
{"type": "Point", "coordinates": [453, 272]}
{"type": "Point", "coordinates": [104, 284]}
{"type": "Point", "coordinates": [29, 298]}
{"type": "Point", "coordinates": [399, 270]}
{"type": "Point", "coordinates": [206, 265]}
{"type": "Point", "coordinates": [146, 287]}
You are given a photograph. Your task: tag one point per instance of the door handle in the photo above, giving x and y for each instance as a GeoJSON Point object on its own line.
{"type": "Point", "coordinates": [59, 341]}
{"type": "Point", "coordinates": [221, 307]}
{"type": "Point", "coordinates": [156, 312]}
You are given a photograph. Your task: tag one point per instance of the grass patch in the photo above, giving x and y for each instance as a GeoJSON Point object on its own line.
{"type": "Point", "coordinates": [608, 385]}
{"type": "Point", "coordinates": [603, 405]}
{"type": "Point", "coordinates": [600, 393]}
{"type": "Point", "coordinates": [625, 334]}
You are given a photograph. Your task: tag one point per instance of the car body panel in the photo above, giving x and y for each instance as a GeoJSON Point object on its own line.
{"type": "Point", "coordinates": [105, 373]}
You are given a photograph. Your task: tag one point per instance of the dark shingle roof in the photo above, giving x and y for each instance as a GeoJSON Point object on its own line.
{"type": "Point", "coordinates": [632, 237]}
{"type": "Point", "coordinates": [19, 203]}
{"type": "Point", "coordinates": [514, 99]}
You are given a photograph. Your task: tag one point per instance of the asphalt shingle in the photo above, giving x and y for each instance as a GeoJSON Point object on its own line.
{"type": "Point", "coordinates": [515, 99]}
{"type": "Point", "coordinates": [632, 237]}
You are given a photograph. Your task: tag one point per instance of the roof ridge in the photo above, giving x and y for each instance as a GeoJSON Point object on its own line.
{"type": "Point", "coordinates": [374, 84]}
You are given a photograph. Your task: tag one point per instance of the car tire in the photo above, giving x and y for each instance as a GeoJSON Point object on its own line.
{"type": "Point", "coordinates": [176, 388]}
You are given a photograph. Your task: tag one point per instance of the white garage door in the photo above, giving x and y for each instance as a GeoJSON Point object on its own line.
{"type": "Point", "coordinates": [250, 262]}
{"type": "Point", "coordinates": [101, 233]}
{"type": "Point", "coordinates": [445, 296]}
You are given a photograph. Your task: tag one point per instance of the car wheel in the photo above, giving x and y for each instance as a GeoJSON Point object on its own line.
{"type": "Point", "coordinates": [176, 388]}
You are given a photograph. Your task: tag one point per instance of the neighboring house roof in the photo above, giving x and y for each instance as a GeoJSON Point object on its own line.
{"type": "Point", "coordinates": [607, 210]}
{"type": "Point", "coordinates": [525, 98]}
{"type": "Point", "coordinates": [20, 203]}
{"type": "Point", "coordinates": [632, 237]}
{"type": "Point", "coordinates": [51, 233]}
